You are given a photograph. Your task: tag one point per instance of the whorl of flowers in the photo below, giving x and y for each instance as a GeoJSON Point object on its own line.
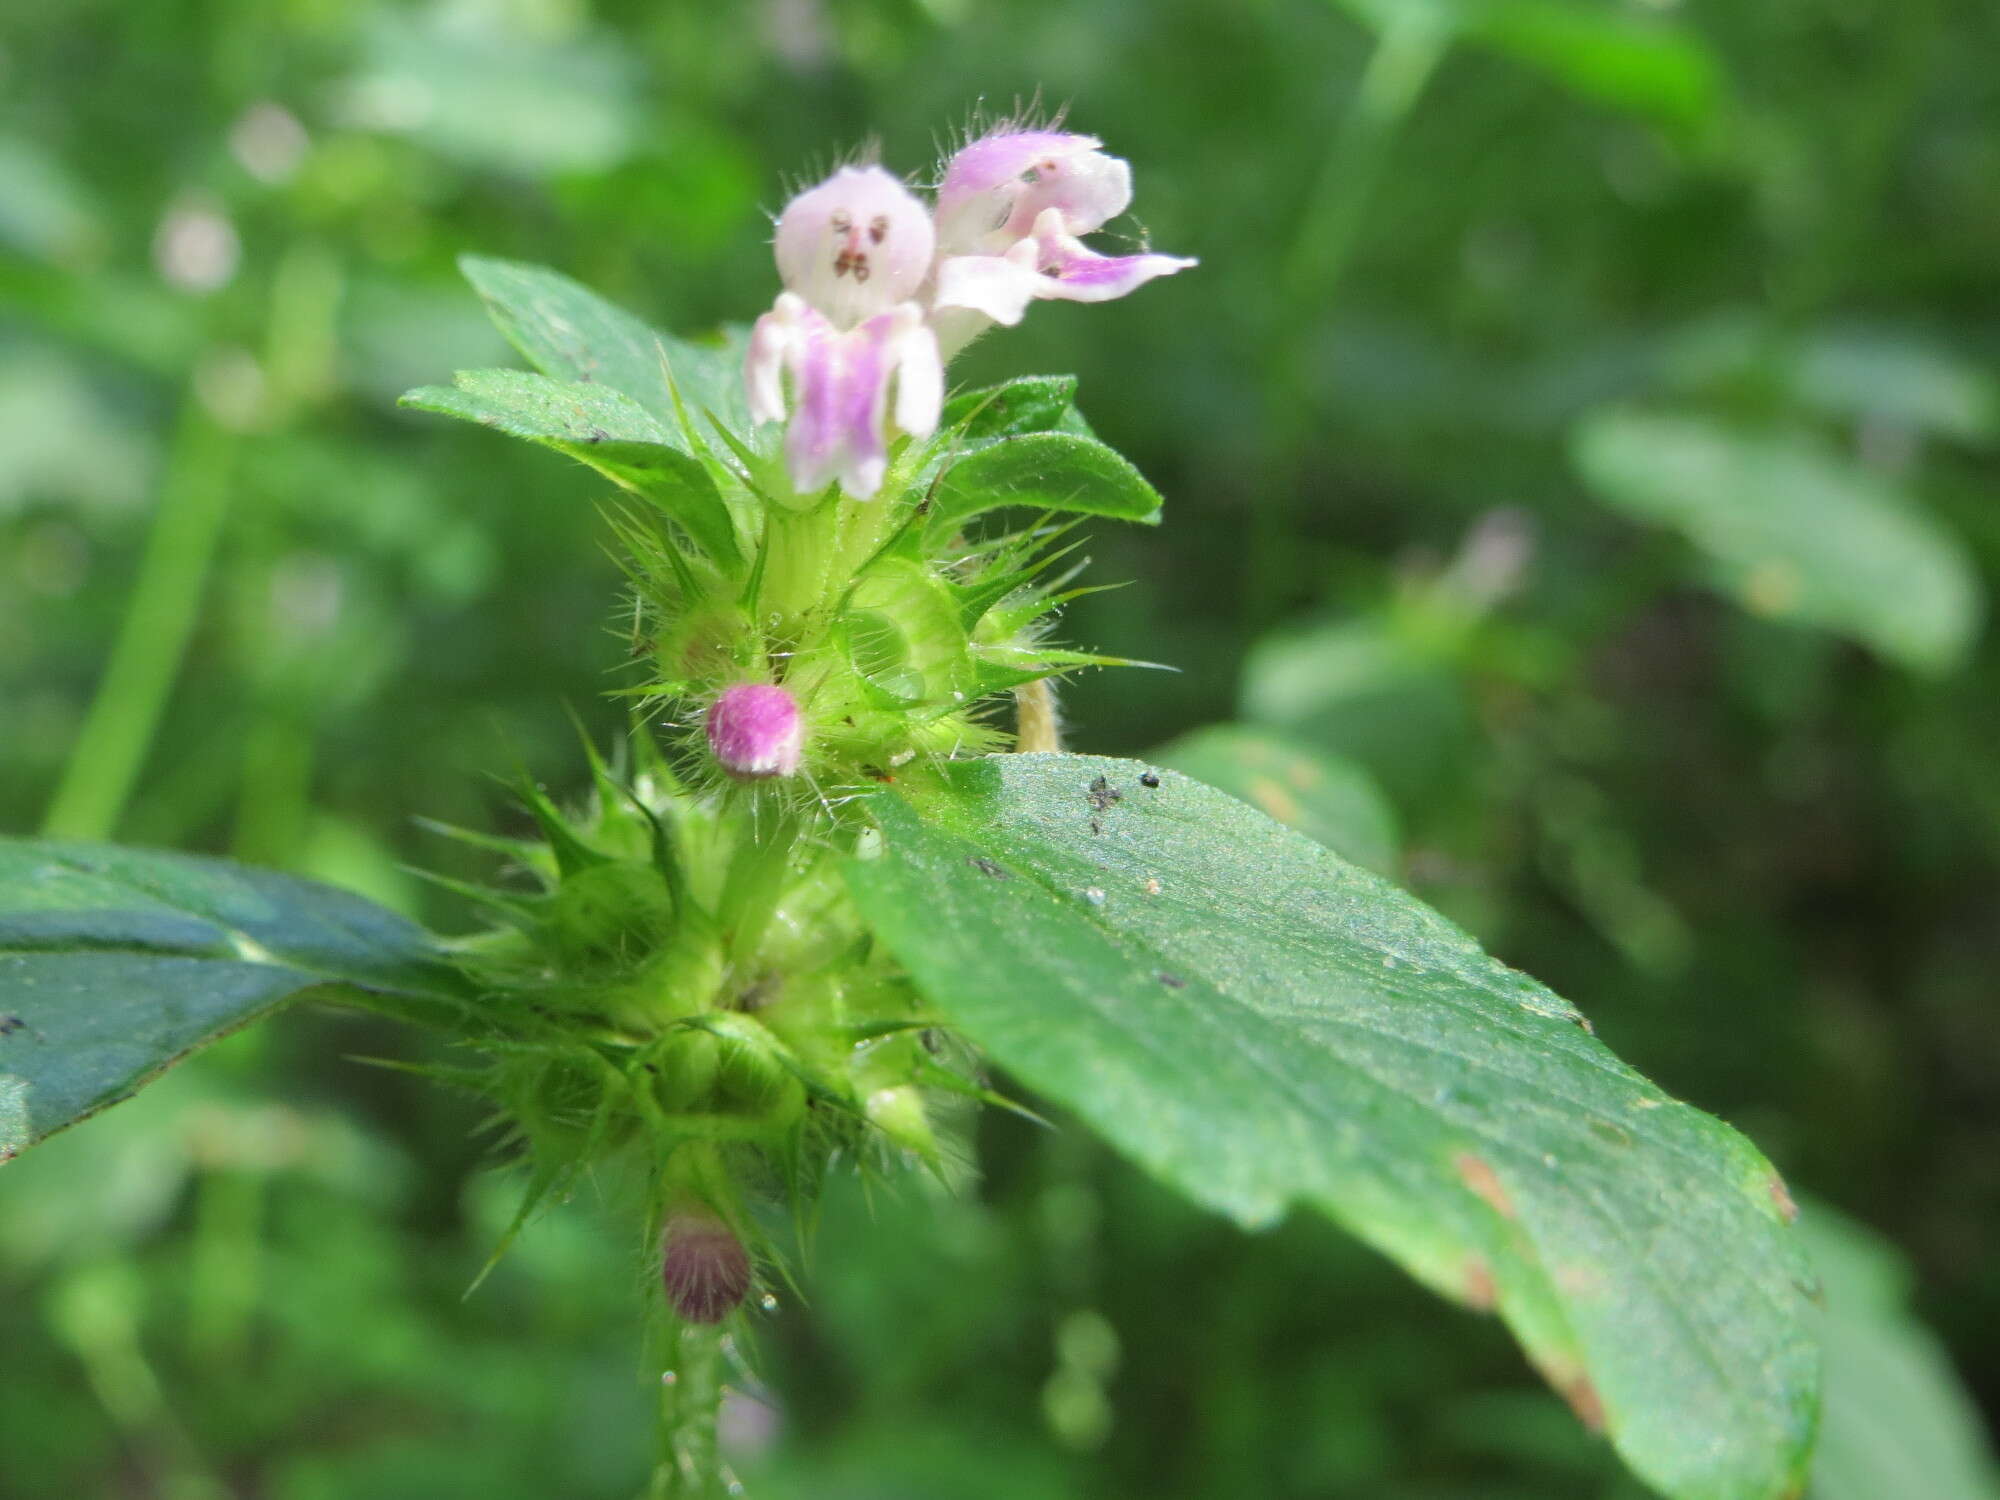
{"type": "Point", "coordinates": [881, 288]}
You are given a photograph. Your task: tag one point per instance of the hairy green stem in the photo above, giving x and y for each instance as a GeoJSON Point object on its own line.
{"type": "Point", "coordinates": [690, 1462]}
{"type": "Point", "coordinates": [798, 558]}
{"type": "Point", "coordinates": [152, 640]}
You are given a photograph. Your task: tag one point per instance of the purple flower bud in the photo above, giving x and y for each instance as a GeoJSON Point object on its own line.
{"type": "Point", "coordinates": [855, 245]}
{"type": "Point", "coordinates": [755, 731]}
{"type": "Point", "coordinates": [703, 1265]}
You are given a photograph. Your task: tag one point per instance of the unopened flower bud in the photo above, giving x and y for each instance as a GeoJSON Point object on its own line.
{"type": "Point", "coordinates": [755, 731]}
{"type": "Point", "coordinates": [703, 1264]}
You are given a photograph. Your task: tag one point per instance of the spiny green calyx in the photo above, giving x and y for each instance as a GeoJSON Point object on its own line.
{"type": "Point", "coordinates": [894, 626]}
{"type": "Point", "coordinates": [687, 984]}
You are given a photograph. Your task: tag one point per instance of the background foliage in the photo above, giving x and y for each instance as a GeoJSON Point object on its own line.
{"type": "Point", "coordinates": [1581, 429]}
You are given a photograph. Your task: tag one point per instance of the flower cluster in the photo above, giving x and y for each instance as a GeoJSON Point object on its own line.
{"type": "Point", "coordinates": [881, 289]}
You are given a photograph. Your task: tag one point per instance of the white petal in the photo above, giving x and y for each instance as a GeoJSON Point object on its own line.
{"type": "Point", "coordinates": [1000, 286]}
{"type": "Point", "coordinates": [1089, 191]}
{"type": "Point", "coordinates": [855, 245]}
{"type": "Point", "coordinates": [771, 340]}
{"type": "Point", "coordinates": [919, 379]}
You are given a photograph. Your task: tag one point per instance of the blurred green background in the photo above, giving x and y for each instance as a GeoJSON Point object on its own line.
{"type": "Point", "coordinates": [1580, 450]}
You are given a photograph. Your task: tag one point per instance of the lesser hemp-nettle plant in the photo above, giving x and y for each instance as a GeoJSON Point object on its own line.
{"type": "Point", "coordinates": [841, 887]}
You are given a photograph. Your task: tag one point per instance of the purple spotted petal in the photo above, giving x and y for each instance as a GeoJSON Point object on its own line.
{"type": "Point", "coordinates": [984, 183]}
{"type": "Point", "coordinates": [1002, 156]}
{"type": "Point", "coordinates": [1073, 272]}
{"type": "Point", "coordinates": [854, 245]}
{"type": "Point", "coordinates": [1089, 191]}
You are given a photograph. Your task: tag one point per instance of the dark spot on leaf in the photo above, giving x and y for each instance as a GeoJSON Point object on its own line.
{"type": "Point", "coordinates": [1584, 1022]}
{"type": "Point", "coordinates": [1781, 1196]}
{"type": "Point", "coordinates": [1148, 779]}
{"type": "Point", "coordinates": [987, 867]}
{"type": "Point", "coordinates": [1481, 1292]}
{"type": "Point", "coordinates": [1584, 1401]}
{"type": "Point", "coordinates": [1095, 826]}
{"type": "Point", "coordinates": [1610, 1134]}
{"type": "Point", "coordinates": [1103, 795]}
{"type": "Point", "coordinates": [1478, 1174]}
{"type": "Point", "coordinates": [599, 435]}
{"type": "Point", "coordinates": [933, 1043]}
{"type": "Point", "coordinates": [1172, 981]}
{"type": "Point", "coordinates": [10, 1024]}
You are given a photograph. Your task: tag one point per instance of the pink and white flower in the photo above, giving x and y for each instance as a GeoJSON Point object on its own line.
{"type": "Point", "coordinates": [1012, 210]}
{"type": "Point", "coordinates": [852, 252]}
{"type": "Point", "coordinates": [878, 294]}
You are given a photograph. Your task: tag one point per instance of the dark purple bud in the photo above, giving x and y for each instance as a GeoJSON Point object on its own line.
{"type": "Point", "coordinates": [704, 1265]}
{"type": "Point", "coordinates": [755, 731]}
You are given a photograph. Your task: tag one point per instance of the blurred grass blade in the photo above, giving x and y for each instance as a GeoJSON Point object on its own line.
{"type": "Point", "coordinates": [117, 963]}
{"type": "Point", "coordinates": [1795, 530]}
{"type": "Point", "coordinates": [1262, 1024]}
{"type": "Point", "coordinates": [153, 633]}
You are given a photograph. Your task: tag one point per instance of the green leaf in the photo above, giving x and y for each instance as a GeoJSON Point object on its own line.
{"type": "Point", "coordinates": [116, 963]}
{"type": "Point", "coordinates": [1898, 1420]}
{"type": "Point", "coordinates": [1262, 1024]}
{"type": "Point", "coordinates": [570, 101]}
{"type": "Point", "coordinates": [1364, 689]}
{"type": "Point", "coordinates": [1054, 471]}
{"type": "Point", "coordinates": [1644, 64]}
{"type": "Point", "coordinates": [598, 426]}
{"type": "Point", "coordinates": [1795, 530]}
{"type": "Point", "coordinates": [1647, 65]}
{"type": "Point", "coordinates": [1900, 375]}
{"type": "Point", "coordinates": [1324, 797]}
{"type": "Point", "coordinates": [1033, 403]}
{"type": "Point", "coordinates": [567, 331]}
